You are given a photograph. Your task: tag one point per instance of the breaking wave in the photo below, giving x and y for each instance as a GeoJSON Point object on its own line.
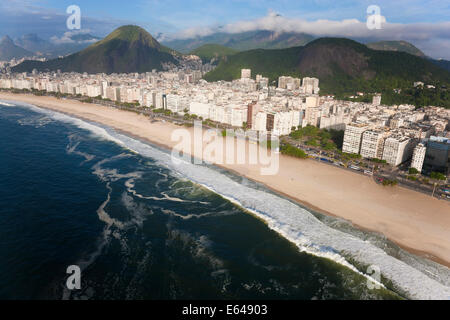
{"type": "Point", "coordinates": [2, 103]}
{"type": "Point", "coordinates": [295, 223]}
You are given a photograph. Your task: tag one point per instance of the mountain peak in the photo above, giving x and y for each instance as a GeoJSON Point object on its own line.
{"type": "Point", "coordinates": [132, 33]}
{"type": "Point", "coordinates": [8, 50]}
{"type": "Point", "coordinates": [6, 39]}
{"type": "Point", "coordinates": [339, 42]}
{"type": "Point", "coordinates": [126, 49]}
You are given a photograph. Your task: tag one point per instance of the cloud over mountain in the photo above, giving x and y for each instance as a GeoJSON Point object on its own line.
{"type": "Point", "coordinates": [426, 36]}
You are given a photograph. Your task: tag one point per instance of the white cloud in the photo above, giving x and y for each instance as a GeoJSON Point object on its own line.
{"type": "Point", "coordinates": [420, 34]}
{"type": "Point", "coordinates": [323, 27]}
{"type": "Point", "coordinates": [67, 37]}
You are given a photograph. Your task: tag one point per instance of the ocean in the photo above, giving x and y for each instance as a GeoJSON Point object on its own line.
{"type": "Point", "coordinates": [141, 227]}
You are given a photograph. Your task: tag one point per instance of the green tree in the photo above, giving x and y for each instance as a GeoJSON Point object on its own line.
{"type": "Point", "coordinates": [438, 176]}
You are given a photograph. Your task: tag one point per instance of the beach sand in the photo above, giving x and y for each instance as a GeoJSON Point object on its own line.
{"type": "Point", "coordinates": [414, 221]}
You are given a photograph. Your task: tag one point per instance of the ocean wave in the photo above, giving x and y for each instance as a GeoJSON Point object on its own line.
{"type": "Point", "coordinates": [290, 220]}
{"type": "Point", "coordinates": [6, 104]}
{"type": "Point", "coordinates": [301, 227]}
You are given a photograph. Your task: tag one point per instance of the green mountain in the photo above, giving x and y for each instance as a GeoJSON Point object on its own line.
{"type": "Point", "coordinates": [259, 39]}
{"type": "Point", "coordinates": [445, 64]}
{"type": "Point", "coordinates": [208, 52]}
{"type": "Point", "coordinates": [127, 49]}
{"type": "Point", "coordinates": [401, 46]}
{"type": "Point", "coordinates": [343, 67]}
{"type": "Point", "coordinates": [8, 50]}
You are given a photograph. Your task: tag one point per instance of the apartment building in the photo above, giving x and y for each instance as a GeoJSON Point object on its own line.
{"type": "Point", "coordinates": [397, 149]}
{"type": "Point", "coordinates": [353, 137]}
{"type": "Point", "coordinates": [418, 157]}
{"type": "Point", "coordinates": [372, 144]}
{"type": "Point", "coordinates": [246, 74]}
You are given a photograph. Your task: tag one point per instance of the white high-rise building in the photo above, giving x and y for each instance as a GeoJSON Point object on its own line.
{"type": "Point", "coordinates": [246, 74]}
{"type": "Point", "coordinates": [289, 83]}
{"type": "Point", "coordinates": [312, 116]}
{"type": "Point", "coordinates": [260, 121]}
{"type": "Point", "coordinates": [372, 144]}
{"type": "Point", "coordinates": [376, 100]}
{"type": "Point", "coordinates": [238, 116]}
{"type": "Point", "coordinates": [310, 85]}
{"type": "Point", "coordinates": [200, 109]}
{"type": "Point", "coordinates": [397, 150]}
{"type": "Point", "coordinates": [175, 103]}
{"type": "Point", "coordinates": [418, 156]}
{"type": "Point", "coordinates": [353, 136]}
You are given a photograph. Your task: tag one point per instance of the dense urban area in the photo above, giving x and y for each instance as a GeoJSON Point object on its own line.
{"type": "Point", "coordinates": [392, 144]}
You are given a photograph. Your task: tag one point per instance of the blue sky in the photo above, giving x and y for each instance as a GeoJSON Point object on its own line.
{"type": "Point", "coordinates": [425, 23]}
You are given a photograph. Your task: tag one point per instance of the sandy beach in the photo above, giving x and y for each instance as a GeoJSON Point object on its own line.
{"type": "Point", "coordinates": [413, 220]}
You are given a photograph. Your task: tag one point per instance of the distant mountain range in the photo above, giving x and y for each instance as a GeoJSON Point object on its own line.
{"type": "Point", "coordinates": [260, 39]}
{"type": "Point", "coordinates": [342, 65]}
{"type": "Point", "coordinates": [8, 50]}
{"type": "Point", "coordinates": [33, 43]}
{"type": "Point", "coordinates": [70, 44]}
{"type": "Point", "coordinates": [127, 49]}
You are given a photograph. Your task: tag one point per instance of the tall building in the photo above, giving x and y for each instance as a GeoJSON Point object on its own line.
{"type": "Point", "coordinates": [418, 157]}
{"type": "Point", "coordinates": [437, 157]}
{"type": "Point", "coordinates": [376, 100]}
{"type": "Point", "coordinates": [312, 117]}
{"type": "Point", "coordinates": [270, 122]}
{"type": "Point", "coordinates": [252, 110]}
{"type": "Point", "coordinates": [260, 122]}
{"type": "Point", "coordinates": [397, 149]}
{"type": "Point", "coordinates": [372, 144]}
{"type": "Point", "coordinates": [312, 102]}
{"type": "Point", "coordinates": [310, 85]}
{"type": "Point", "coordinates": [164, 102]}
{"type": "Point", "coordinates": [289, 83]}
{"type": "Point", "coordinates": [353, 136]}
{"type": "Point", "coordinates": [246, 74]}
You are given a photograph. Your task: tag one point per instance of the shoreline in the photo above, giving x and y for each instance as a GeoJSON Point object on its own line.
{"type": "Point", "coordinates": [415, 222]}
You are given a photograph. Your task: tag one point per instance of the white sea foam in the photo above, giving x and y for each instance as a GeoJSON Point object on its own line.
{"type": "Point", "coordinates": [186, 216]}
{"type": "Point", "coordinates": [130, 185]}
{"type": "Point", "coordinates": [37, 122]}
{"type": "Point", "coordinates": [290, 220]}
{"type": "Point", "coordinates": [71, 148]}
{"type": "Point", "coordinates": [6, 104]}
